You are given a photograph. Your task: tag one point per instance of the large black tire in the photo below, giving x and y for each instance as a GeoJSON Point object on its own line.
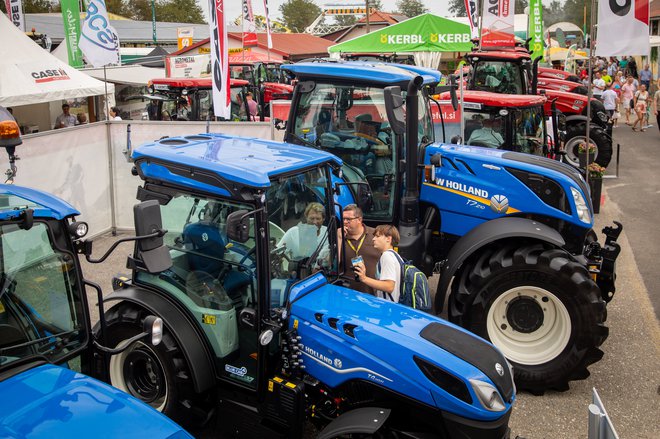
{"type": "Point", "coordinates": [158, 375]}
{"type": "Point", "coordinates": [538, 306]}
{"type": "Point", "coordinates": [576, 133]}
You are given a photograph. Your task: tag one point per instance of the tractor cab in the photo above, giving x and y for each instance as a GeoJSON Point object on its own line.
{"type": "Point", "coordinates": [192, 99]}
{"type": "Point", "coordinates": [508, 72]}
{"type": "Point", "coordinates": [265, 79]}
{"type": "Point", "coordinates": [511, 122]}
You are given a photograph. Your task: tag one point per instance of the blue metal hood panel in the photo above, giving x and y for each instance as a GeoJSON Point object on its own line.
{"type": "Point", "coordinates": [53, 402]}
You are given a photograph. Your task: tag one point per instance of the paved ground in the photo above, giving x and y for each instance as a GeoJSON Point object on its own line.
{"type": "Point", "coordinates": [628, 377]}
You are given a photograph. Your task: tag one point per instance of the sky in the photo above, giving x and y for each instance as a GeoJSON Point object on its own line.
{"type": "Point", "coordinates": [233, 7]}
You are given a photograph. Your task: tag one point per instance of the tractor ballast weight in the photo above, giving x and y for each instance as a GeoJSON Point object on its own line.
{"type": "Point", "coordinates": [465, 194]}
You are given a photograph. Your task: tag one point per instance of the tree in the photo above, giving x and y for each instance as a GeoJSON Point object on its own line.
{"type": "Point", "coordinates": [411, 8]}
{"type": "Point", "coordinates": [179, 11]}
{"type": "Point", "coordinates": [33, 6]}
{"type": "Point", "coordinates": [298, 14]}
{"type": "Point", "coordinates": [346, 20]}
{"type": "Point", "coordinates": [457, 8]}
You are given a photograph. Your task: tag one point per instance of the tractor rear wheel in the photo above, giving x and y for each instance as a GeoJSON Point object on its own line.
{"type": "Point", "coordinates": [538, 306]}
{"type": "Point", "coordinates": [576, 133]}
{"type": "Point", "coordinates": [157, 375]}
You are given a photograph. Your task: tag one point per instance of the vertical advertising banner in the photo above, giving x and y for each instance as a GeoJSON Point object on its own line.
{"type": "Point", "coordinates": [71, 17]}
{"type": "Point", "coordinates": [15, 13]}
{"type": "Point", "coordinates": [184, 37]}
{"type": "Point", "coordinates": [497, 23]}
{"type": "Point", "coordinates": [249, 26]}
{"type": "Point", "coordinates": [623, 28]}
{"type": "Point", "coordinates": [270, 38]}
{"type": "Point", "coordinates": [219, 59]}
{"type": "Point", "coordinates": [535, 28]}
{"type": "Point", "coordinates": [99, 41]}
{"type": "Point", "coordinates": [471, 7]}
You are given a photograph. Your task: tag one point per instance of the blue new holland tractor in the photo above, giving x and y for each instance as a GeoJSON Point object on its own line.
{"type": "Point", "coordinates": [47, 351]}
{"type": "Point", "coordinates": [259, 335]}
{"type": "Point", "coordinates": [510, 233]}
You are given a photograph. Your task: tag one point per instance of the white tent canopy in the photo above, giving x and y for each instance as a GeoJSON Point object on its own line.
{"type": "Point", "coordinates": [29, 74]}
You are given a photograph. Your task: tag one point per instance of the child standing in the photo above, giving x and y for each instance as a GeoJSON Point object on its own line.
{"type": "Point", "coordinates": [388, 270]}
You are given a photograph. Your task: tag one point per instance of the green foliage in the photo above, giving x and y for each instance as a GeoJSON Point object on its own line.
{"type": "Point", "coordinates": [346, 20]}
{"type": "Point", "coordinates": [298, 14]}
{"type": "Point", "coordinates": [457, 8]}
{"type": "Point", "coordinates": [411, 8]}
{"type": "Point", "coordinates": [34, 7]}
{"type": "Point", "coordinates": [376, 4]}
{"type": "Point", "coordinates": [179, 11]}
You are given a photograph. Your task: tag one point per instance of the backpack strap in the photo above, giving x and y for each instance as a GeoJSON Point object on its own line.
{"type": "Point", "coordinates": [402, 274]}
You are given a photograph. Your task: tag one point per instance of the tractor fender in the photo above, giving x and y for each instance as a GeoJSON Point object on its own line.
{"type": "Point", "coordinates": [199, 360]}
{"type": "Point", "coordinates": [576, 118]}
{"type": "Point", "coordinates": [484, 234]}
{"type": "Point", "coordinates": [365, 420]}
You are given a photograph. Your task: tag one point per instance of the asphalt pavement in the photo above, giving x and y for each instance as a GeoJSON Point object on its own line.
{"type": "Point", "coordinates": [628, 376]}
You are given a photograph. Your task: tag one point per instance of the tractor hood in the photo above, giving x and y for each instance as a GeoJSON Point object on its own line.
{"type": "Point", "coordinates": [349, 336]}
{"type": "Point", "coordinates": [50, 402]}
{"type": "Point", "coordinates": [497, 183]}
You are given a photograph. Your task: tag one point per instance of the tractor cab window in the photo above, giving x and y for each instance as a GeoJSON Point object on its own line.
{"type": "Point", "coordinates": [351, 123]}
{"type": "Point", "coordinates": [498, 77]}
{"type": "Point", "coordinates": [241, 72]}
{"type": "Point", "coordinates": [484, 128]}
{"type": "Point", "coordinates": [40, 297]}
{"type": "Point", "coordinates": [301, 225]}
{"type": "Point", "coordinates": [214, 277]}
{"type": "Point", "coordinates": [529, 130]}
{"type": "Point", "coordinates": [238, 105]}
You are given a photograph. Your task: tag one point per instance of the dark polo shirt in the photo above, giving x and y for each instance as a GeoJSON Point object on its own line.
{"type": "Point", "coordinates": [360, 247]}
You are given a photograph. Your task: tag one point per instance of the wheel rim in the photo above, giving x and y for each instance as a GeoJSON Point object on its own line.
{"type": "Point", "coordinates": [138, 372]}
{"type": "Point", "coordinates": [529, 325]}
{"type": "Point", "coordinates": [572, 155]}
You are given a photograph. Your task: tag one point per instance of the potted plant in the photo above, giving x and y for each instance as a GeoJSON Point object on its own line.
{"type": "Point", "coordinates": [586, 155]}
{"type": "Point", "coordinates": [596, 173]}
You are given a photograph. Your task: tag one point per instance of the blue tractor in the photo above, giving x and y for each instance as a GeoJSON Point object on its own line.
{"type": "Point", "coordinates": [47, 351]}
{"type": "Point", "coordinates": [510, 233]}
{"type": "Point", "coordinates": [259, 335]}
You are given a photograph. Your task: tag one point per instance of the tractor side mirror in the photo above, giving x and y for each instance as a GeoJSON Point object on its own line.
{"type": "Point", "coordinates": [248, 318]}
{"type": "Point", "coordinates": [237, 226]}
{"type": "Point", "coordinates": [153, 253]}
{"type": "Point", "coordinates": [394, 107]}
{"type": "Point", "coordinates": [279, 124]}
{"type": "Point", "coordinates": [361, 192]}
{"type": "Point", "coordinates": [456, 140]}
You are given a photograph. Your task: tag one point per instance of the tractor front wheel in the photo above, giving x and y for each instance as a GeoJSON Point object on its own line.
{"type": "Point", "coordinates": [538, 306]}
{"type": "Point", "coordinates": [157, 375]}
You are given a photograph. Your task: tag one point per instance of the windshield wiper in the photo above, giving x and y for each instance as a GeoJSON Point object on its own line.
{"type": "Point", "coordinates": [303, 140]}
{"type": "Point", "coordinates": [7, 283]}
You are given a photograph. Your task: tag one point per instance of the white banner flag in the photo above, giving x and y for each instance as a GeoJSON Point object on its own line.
{"type": "Point", "coordinates": [249, 26]}
{"type": "Point", "coordinates": [99, 41]}
{"type": "Point", "coordinates": [219, 59]}
{"type": "Point", "coordinates": [15, 13]}
{"type": "Point", "coordinates": [270, 38]}
{"type": "Point", "coordinates": [623, 28]}
{"type": "Point", "coordinates": [471, 8]}
{"type": "Point", "coordinates": [497, 24]}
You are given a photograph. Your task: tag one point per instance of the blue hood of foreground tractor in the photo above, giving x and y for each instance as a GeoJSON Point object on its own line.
{"type": "Point", "coordinates": [351, 336]}
{"type": "Point", "coordinates": [52, 402]}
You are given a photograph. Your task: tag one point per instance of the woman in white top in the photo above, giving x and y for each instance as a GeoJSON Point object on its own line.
{"type": "Point", "coordinates": [388, 271]}
{"type": "Point", "coordinates": [302, 240]}
{"type": "Point", "coordinates": [114, 113]}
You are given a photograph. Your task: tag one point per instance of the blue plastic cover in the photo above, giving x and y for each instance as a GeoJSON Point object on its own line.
{"type": "Point", "coordinates": [247, 161]}
{"type": "Point", "coordinates": [52, 402]}
{"type": "Point", "coordinates": [14, 199]}
{"type": "Point", "coordinates": [363, 71]}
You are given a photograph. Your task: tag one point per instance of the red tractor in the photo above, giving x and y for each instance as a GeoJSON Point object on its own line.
{"type": "Point", "coordinates": [547, 83]}
{"type": "Point", "coordinates": [512, 71]}
{"type": "Point", "coordinates": [512, 122]}
{"type": "Point", "coordinates": [548, 72]}
{"type": "Point", "coordinates": [192, 99]}
{"type": "Point", "coordinates": [265, 80]}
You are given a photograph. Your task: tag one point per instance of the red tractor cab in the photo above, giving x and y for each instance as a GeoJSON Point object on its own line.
{"type": "Point", "coordinates": [192, 99]}
{"type": "Point", "coordinates": [547, 72]}
{"type": "Point", "coordinates": [510, 122]}
{"type": "Point", "coordinates": [265, 79]}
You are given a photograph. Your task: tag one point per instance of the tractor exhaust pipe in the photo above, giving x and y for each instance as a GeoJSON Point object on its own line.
{"type": "Point", "coordinates": [535, 75]}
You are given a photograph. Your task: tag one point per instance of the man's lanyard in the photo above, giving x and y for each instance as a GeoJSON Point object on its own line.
{"type": "Point", "coordinates": [356, 250]}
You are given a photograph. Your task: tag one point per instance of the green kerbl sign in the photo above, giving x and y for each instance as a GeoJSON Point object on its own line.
{"type": "Point", "coordinates": [71, 17]}
{"type": "Point", "coordinates": [535, 28]}
{"type": "Point", "coordinates": [424, 33]}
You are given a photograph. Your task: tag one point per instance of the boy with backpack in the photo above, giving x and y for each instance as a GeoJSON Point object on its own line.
{"type": "Point", "coordinates": [395, 280]}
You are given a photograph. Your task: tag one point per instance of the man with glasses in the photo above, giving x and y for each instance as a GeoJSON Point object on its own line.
{"type": "Point", "coordinates": [359, 244]}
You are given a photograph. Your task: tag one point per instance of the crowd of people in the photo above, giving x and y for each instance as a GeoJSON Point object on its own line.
{"type": "Point", "coordinates": [625, 91]}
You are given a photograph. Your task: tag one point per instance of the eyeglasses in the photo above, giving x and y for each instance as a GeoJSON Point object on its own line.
{"type": "Point", "coordinates": [348, 220]}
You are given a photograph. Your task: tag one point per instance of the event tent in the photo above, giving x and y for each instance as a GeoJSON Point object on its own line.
{"type": "Point", "coordinates": [426, 36]}
{"type": "Point", "coordinates": [30, 75]}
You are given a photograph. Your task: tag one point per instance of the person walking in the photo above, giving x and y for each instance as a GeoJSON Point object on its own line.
{"type": "Point", "coordinates": [641, 102]}
{"type": "Point", "coordinates": [656, 105]}
{"type": "Point", "coordinates": [358, 239]}
{"type": "Point", "coordinates": [610, 102]}
{"type": "Point", "coordinates": [628, 92]}
{"type": "Point", "coordinates": [388, 270]}
{"type": "Point", "coordinates": [645, 77]}
{"type": "Point", "coordinates": [598, 86]}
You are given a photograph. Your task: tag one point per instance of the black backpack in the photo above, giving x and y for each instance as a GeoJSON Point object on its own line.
{"type": "Point", "coordinates": [413, 286]}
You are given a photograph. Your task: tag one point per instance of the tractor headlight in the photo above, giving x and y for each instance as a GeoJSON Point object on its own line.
{"type": "Point", "coordinates": [488, 396]}
{"type": "Point", "coordinates": [581, 206]}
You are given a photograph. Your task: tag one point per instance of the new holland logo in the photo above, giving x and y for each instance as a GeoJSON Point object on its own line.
{"type": "Point", "coordinates": [499, 203]}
